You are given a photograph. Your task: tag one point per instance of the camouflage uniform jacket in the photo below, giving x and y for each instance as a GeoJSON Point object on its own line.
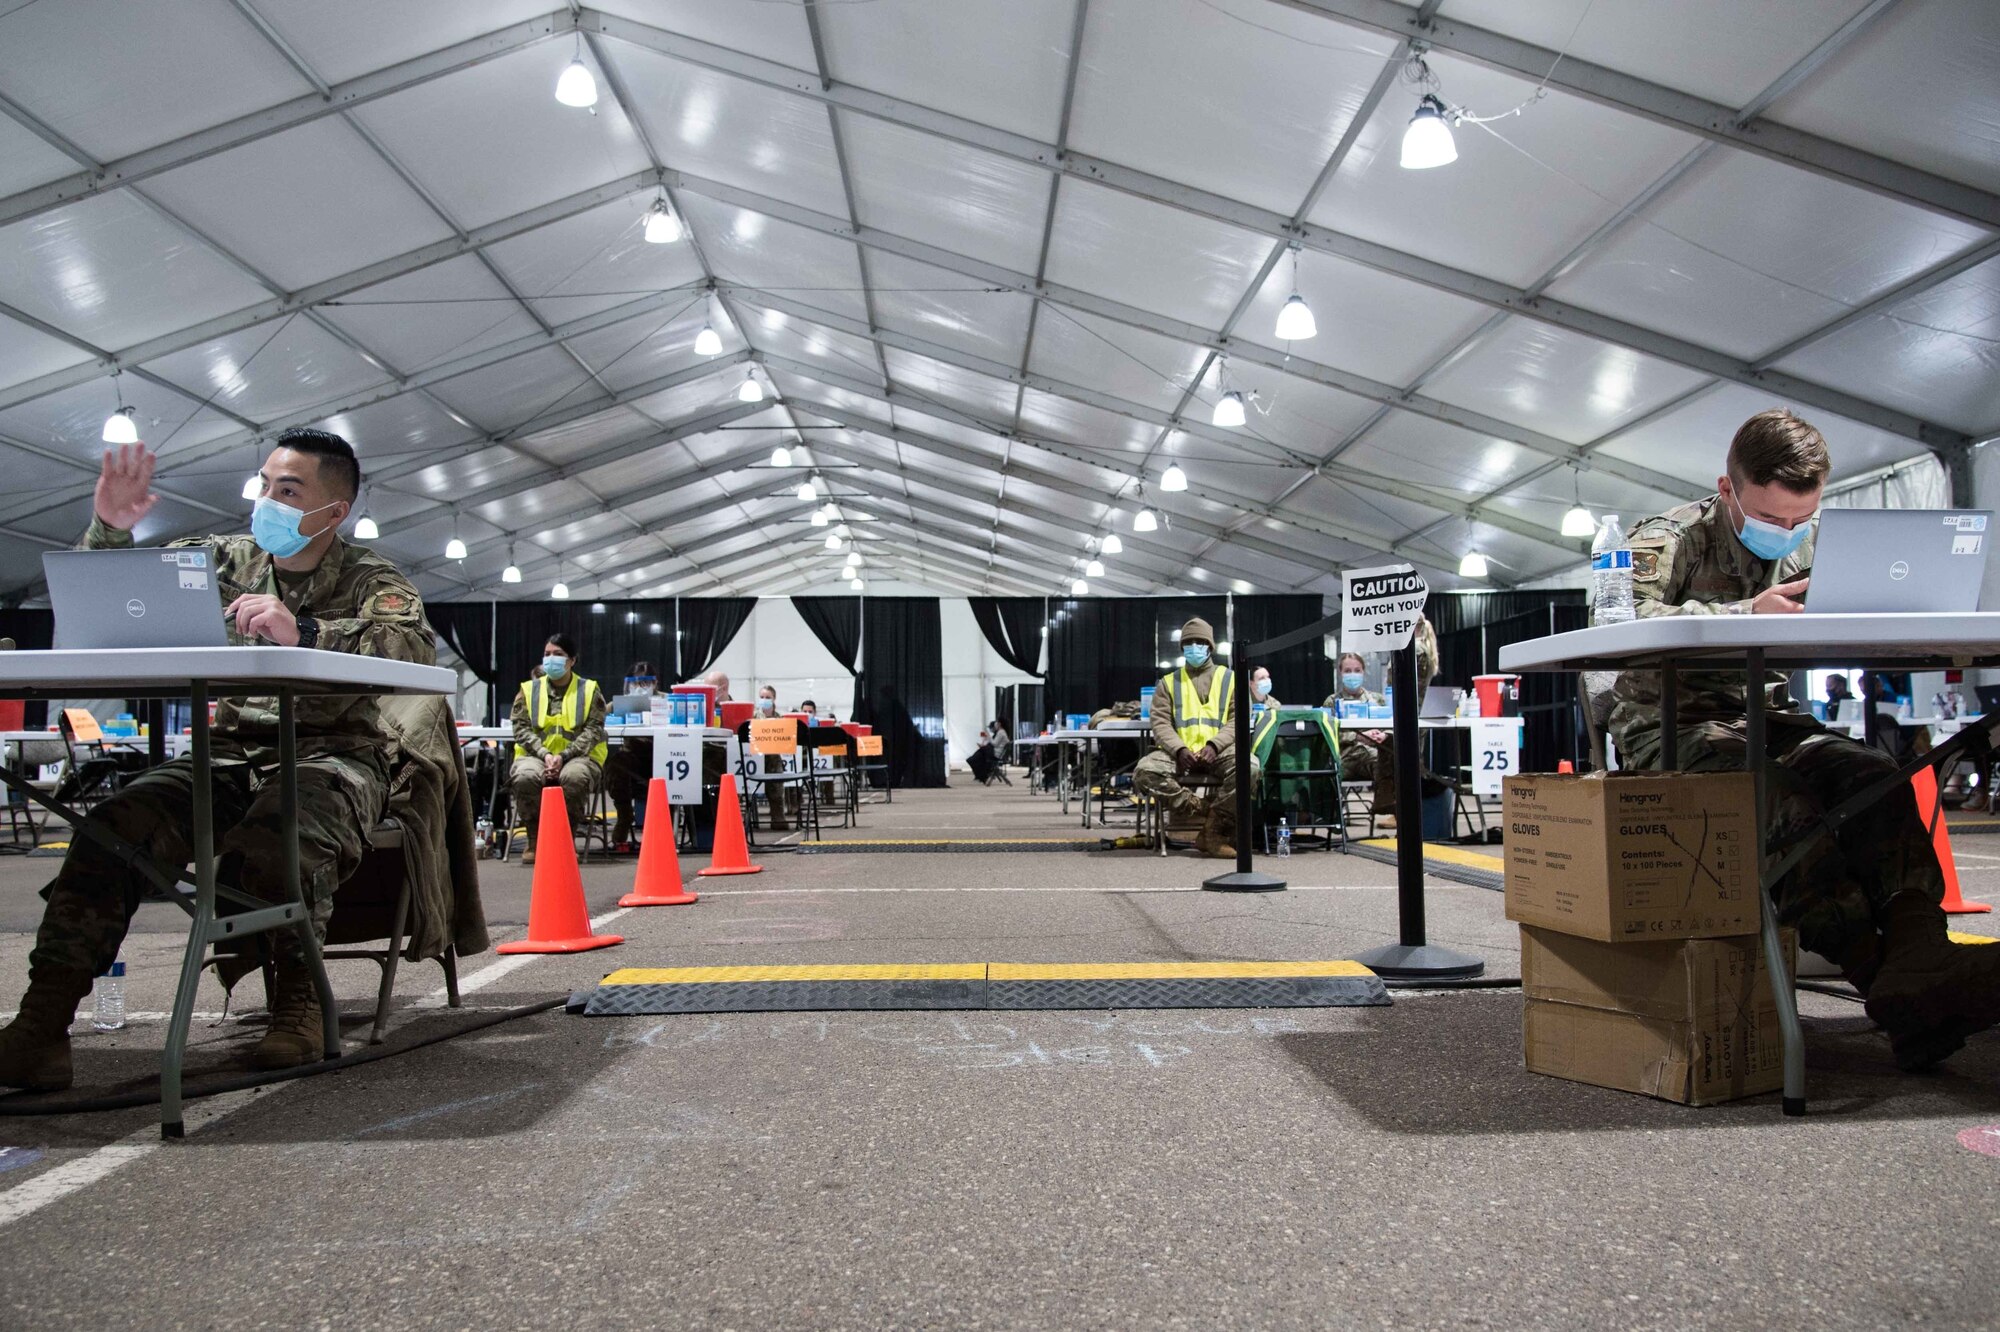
{"type": "Point", "coordinates": [363, 604]}
{"type": "Point", "coordinates": [1166, 731]}
{"type": "Point", "coordinates": [590, 732]}
{"type": "Point", "coordinates": [1689, 561]}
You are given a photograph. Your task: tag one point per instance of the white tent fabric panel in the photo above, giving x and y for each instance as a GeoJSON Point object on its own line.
{"type": "Point", "coordinates": [1150, 256]}
{"type": "Point", "coordinates": [1369, 322]}
{"type": "Point", "coordinates": [945, 194]}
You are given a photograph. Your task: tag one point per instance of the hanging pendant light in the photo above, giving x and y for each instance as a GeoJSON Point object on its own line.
{"type": "Point", "coordinates": [663, 228]}
{"type": "Point", "coordinates": [1144, 521]}
{"type": "Point", "coordinates": [512, 573]}
{"type": "Point", "coordinates": [707, 342]}
{"type": "Point", "coordinates": [1229, 410]}
{"type": "Point", "coordinates": [1473, 565]}
{"type": "Point", "coordinates": [1427, 140]}
{"type": "Point", "coordinates": [1173, 478]}
{"type": "Point", "coordinates": [781, 457]}
{"type": "Point", "coordinates": [750, 390]}
{"type": "Point", "coordinates": [808, 493]}
{"type": "Point", "coordinates": [856, 584]}
{"type": "Point", "coordinates": [365, 529]}
{"type": "Point", "coordinates": [819, 518]}
{"type": "Point", "coordinates": [1295, 320]}
{"type": "Point", "coordinates": [833, 541]}
{"type": "Point", "coordinates": [577, 86]}
{"type": "Point", "coordinates": [1079, 588]}
{"type": "Point", "coordinates": [120, 428]}
{"type": "Point", "coordinates": [454, 549]}
{"type": "Point", "coordinates": [1112, 545]}
{"type": "Point", "coordinates": [1095, 569]}
{"type": "Point", "coordinates": [1578, 522]}
{"type": "Point", "coordinates": [253, 486]}
{"type": "Point", "coordinates": [560, 591]}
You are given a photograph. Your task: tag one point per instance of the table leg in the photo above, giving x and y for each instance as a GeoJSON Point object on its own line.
{"type": "Point", "coordinates": [1794, 1099]}
{"type": "Point", "coordinates": [199, 928]}
{"type": "Point", "coordinates": [1089, 748]}
{"type": "Point", "coordinates": [1670, 704]}
{"type": "Point", "coordinates": [288, 804]}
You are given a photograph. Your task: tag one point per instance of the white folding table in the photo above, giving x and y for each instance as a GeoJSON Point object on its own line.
{"type": "Point", "coordinates": [199, 674]}
{"type": "Point", "coordinates": [1756, 644]}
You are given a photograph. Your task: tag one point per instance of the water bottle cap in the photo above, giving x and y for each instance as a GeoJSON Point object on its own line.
{"type": "Point", "coordinates": [117, 969]}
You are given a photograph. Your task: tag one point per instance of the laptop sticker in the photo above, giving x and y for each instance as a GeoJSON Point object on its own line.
{"type": "Point", "coordinates": [1965, 545]}
{"type": "Point", "coordinates": [194, 580]}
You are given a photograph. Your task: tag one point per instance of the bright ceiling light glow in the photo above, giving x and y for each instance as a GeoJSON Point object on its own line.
{"type": "Point", "coordinates": [807, 492]}
{"type": "Point", "coordinates": [707, 342]}
{"type": "Point", "coordinates": [1427, 141]}
{"type": "Point", "coordinates": [365, 529]}
{"type": "Point", "coordinates": [253, 486]}
{"type": "Point", "coordinates": [1095, 569]}
{"type": "Point", "coordinates": [454, 549]}
{"type": "Point", "coordinates": [1079, 588]}
{"type": "Point", "coordinates": [1295, 321]}
{"type": "Point", "coordinates": [577, 86]}
{"type": "Point", "coordinates": [849, 571]}
{"type": "Point", "coordinates": [1578, 522]}
{"type": "Point", "coordinates": [119, 428]}
{"type": "Point", "coordinates": [833, 541]}
{"type": "Point", "coordinates": [751, 390]}
{"type": "Point", "coordinates": [1224, 649]}
{"type": "Point", "coordinates": [819, 518]}
{"type": "Point", "coordinates": [1472, 566]}
{"type": "Point", "coordinates": [662, 227]}
{"type": "Point", "coordinates": [1228, 410]}
{"type": "Point", "coordinates": [781, 457]}
{"type": "Point", "coordinates": [560, 591]}
{"type": "Point", "coordinates": [1173, 478]}
{"type": "Point", "coordinates": [1144, 521]}
{"type": "Point", "coordinates": [597, 608]}
{"type": "Point", "coordinates": [511, 574]}
{"type": "Point", "coordinates": [1113, 546]}
{"type": "Point", "coordinates": [856, 584]}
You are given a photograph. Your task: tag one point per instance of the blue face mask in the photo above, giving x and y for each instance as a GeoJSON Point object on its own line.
{"type": "Point", "coordinates": [555, 667]}
{"type": "Point", "coordinates": [1768, 541]}
{"type": "Point", "coordinates": [275, 527]}
{"type": "Point", "coordinates": [1261, 688]}
{"type": "Point", "coordinates": [1352, 682]}
{"type": "Point", "coordinates": [1195, 654]}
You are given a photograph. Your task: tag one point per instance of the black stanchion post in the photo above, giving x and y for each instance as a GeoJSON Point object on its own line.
{"type": "Point", "coordinates": [1412, 960]}
{"type": "Point", "coordinates": [1243, 879]}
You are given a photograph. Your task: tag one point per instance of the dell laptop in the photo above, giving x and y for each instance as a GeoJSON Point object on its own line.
{"type": "Point", "coordinates": [1872, 560]}
{"type": "Point", "coordinates": [139, 598]}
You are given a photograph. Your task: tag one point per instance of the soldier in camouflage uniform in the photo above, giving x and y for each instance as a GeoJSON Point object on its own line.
{"type": "Point", "coordinates": [1369, 755]}
{"type": "Point", "coordinates": [1868, 897]}
{"type": "Point", "coordinates": [278, 586]}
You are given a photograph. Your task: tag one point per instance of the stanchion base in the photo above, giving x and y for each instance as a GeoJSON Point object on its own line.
{"type": "Point", "coordinates": [1794, 1105]}
{"type": "Point", "coordinates": [1409, 963]}
{"type": "Point", "coordinates": [1243, 881]}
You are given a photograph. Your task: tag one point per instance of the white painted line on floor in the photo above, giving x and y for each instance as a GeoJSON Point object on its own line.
{"type": "Point", "coordinates": [505, 966]}
{"type": "Point", "coordinates": [1095, 892]}
{"type": "Point", "coordinates": [1973, 855]}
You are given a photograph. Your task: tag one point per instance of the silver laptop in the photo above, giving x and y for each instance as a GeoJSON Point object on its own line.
{"type": "Point", "coordinates": [135, 598]}
{"type": "Point", "coordinates": [1928, 560]}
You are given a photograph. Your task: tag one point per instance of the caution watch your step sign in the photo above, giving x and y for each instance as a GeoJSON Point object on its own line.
{"type": "Point", "coordinates": [1380, 608]}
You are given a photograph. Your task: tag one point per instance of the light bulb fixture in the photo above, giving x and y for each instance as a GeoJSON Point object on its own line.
{"type": "Point", "coordinates": [856, 584]}
{"type": "Point", "coordinates": [833, 541]}
{"type": "Point", "coordinates": [663, 228]}
{"type": "Point", "coordinates": [819, 518]}
{"type": "Point", "coordinates": [597, 608]}
{"type": "Point", "coordinates": [253, 486]}
{"type": "Point", "coordinates": [1229, 410]}
{"type": "Point", "coordinates": [1173, 478]}
{"type": "Point", "coordinates": [454, 549]}
{"type": "Point", "coordinates": [1578, 522]}
{"type": "Point", "coordinates": [1473, 565]}
{"type": "Point", "coordinates": [751, 390]}
{"type": "Point", "coordinates": [365, 529]}
{"type": "Point", "coordinates": [1079, 588]}
{"type": "Point", "coordinates": [1144, 521]}
{"type": "Point", "coordinates": [1427, 139]}
{"type": "Point", "coordinates": [1295, 320]}
{"type": "Point", "coordinates": [781, 457]}
{"type": "Point", "coordinates": [808, 493]}
{"type": "Point", "coordinates": [577, 86]}
{"type": "Point", "coordinates": [708, 342]}
{"type": "Point", "coordinates": [560, 592]}
{"type": "Point", "coordinates": [849, 571]}
{"type": "Point", "coordinates": [1112, 545]}
{"type": "Point", "coordinates": [512, 573]}
{"type": "Point", "coordinates": [120, 428]}
{"type": "Point", "coordinates": [631, 617]}
{"type": "Point", "coordinates": [1223, 649]}
{"type": "Point", "coordinates": [1095, 569]}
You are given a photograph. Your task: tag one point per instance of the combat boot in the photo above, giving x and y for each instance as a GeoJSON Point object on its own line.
{"type": "Point", "coordinates": [34, 1048]}
{"type": "Point", "coordinates": [1930, 993]}
{"type": "Point", "coordinates": [1213, 842]}
{"type": "Point", "coordinates": [295, 1036]}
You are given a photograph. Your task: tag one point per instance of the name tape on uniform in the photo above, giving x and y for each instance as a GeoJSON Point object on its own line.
{"type": "Point", "coordinates": [1380, 608]}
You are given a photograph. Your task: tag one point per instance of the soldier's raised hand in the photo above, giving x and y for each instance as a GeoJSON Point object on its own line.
{"type": "Point", "coordinates": [125, 486]}
{"type": "Point", "coordinates": [1783, 599]}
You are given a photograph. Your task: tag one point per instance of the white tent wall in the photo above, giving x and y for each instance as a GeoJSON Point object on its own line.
{"type": "Point", "coordinates": [972, 671]}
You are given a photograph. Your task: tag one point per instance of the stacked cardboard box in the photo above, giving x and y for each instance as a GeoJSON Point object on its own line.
{"type": "Point", "coordinates": [1637, 899]}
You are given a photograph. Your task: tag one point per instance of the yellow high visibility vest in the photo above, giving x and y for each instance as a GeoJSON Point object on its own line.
{"type": "Point", "coordinates": [556, 731]}
{"type": "Point", "coordinates": [1197, 720]}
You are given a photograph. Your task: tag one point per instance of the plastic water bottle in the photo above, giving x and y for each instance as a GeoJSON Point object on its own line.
{"type": "Point", "coordinates": [110, 1014]}
{"type": "Point", "coordinates": [1284, 838]}
{"type": "Point", "coordinates": [1610, 574]}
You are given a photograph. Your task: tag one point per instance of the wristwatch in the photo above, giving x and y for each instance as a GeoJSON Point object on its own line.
{"type": "Point", "coordinates": [308, 631]}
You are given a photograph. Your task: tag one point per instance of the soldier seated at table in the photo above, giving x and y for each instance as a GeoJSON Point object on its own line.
{"type": "Point", "coordinates": [292, 582]}
{"type": "Point", "coordinates": [630, 766]}
{"type": "Point", "coordinates": [1868, 897]}
{"type": "Point", "coordinates": [1368, 753]}
{"type": "Point", "coordinates": [1194, 724]}
{"type": "Point", "coordinates": [559, 739]}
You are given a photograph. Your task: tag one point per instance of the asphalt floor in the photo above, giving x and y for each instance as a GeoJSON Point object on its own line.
{"type": "Point", "coordinates": [1170, 1168]}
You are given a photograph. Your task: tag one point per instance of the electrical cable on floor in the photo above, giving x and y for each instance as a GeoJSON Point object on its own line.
{"type": "Point", "coordinates": [15, 1107]}
{"type": "Point", "coordinates": [1846, 992]}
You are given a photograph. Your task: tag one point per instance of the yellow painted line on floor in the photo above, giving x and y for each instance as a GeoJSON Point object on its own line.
{"type": "Point", "coordinates": [1450, 855]}
{"type": "Point", "coordinates": [949, 841]}
{"type": "Point", "coordinates": [1957, 937]}
{"type": "Point", "coordinates": [1014, 971]}
{"type": "Point", "coordinates": [961, 971]}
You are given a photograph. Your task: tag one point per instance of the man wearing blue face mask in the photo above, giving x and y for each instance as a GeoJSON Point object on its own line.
{"type": "Point", "coordinates": [559, 739]}
{"type": "Point", "coordinates": [292, 582]}
{"type": "Point", "coordinates": [1867, 897]}
{"type": "Point", "coordinates": [1194, 724]}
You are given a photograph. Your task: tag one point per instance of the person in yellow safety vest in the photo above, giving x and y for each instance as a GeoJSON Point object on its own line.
{"type": "Point", "coordinates": [1194, 724]}
{"type": "Point", "coordinates": [558, 738]}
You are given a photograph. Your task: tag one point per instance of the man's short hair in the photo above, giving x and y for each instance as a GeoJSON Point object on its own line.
{"type": "Point", "coordinates": [337, 464]}
{"type": "Point", "coordinates": [565, 642]}
{"type": "Point", "coordinates": [1776, 447]}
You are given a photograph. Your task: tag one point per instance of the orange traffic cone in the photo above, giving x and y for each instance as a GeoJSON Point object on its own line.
{"type": "Point", "coordinates": [1924, 783]}
{"type": "Point", "coordinates": [1564, 765]}
{"type": "Point", "coordinates": [732, 853]}
{"type": "Point", "coordinates": [658, 882]}
{"type": "Point", "coordinates": [558, 921]}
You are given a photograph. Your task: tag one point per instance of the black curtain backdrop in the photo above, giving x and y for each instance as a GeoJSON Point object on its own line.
{"type": "Point", "coordinates": [1300, 676]}
{"type": "Point", "coordinates": [467, 626]}
{"type": "Point", "coordinates": [900, 690]}
{"type": "Point", "coordinates": [1473, 627]}
{"type": "Point", "coordinates": [836, 622]}
{"type": "Point", "coordinates": [1103, 650]}
{"type": "Point", "coordinates": [707, 624]}
{"type": "Point", "coordinates": [32, 631]}
{"type": "Point", "coordinates": [1013, 625]}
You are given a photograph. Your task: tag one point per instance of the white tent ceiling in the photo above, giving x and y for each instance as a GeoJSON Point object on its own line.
{"type": "Point", "coordinates": [995, 260]}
